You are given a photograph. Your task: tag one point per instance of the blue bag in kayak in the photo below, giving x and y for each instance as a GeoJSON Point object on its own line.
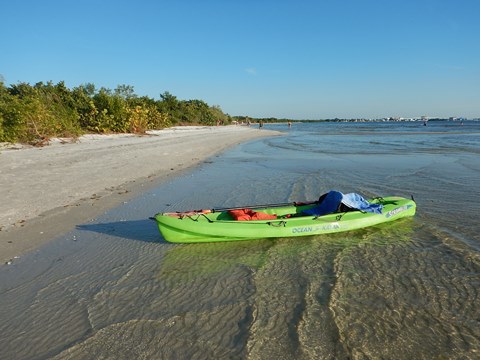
{"type": "Point", "coordinates": [333, 200]}
{"type": "Point", "coordinates": [328, 205]}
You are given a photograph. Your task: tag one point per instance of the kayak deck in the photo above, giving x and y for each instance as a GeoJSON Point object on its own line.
{"type": "Point", "coordinates": [211, 226]}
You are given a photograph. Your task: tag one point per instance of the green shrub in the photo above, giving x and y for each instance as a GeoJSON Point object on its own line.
{"type": "Point", "coordinates": [34, 114]}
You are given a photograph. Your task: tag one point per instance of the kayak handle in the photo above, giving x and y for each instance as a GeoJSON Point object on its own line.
{"type": "Point", "coordinates": [279, 224]}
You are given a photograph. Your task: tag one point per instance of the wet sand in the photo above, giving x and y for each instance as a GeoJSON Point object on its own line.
{"type": "Point", "coordinates": [47, 191]}
{"type": "Point", "coordinates": [113, 288]}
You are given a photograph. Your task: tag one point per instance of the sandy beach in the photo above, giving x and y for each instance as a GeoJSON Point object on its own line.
{"type": "Point", "coordinates": [46, 191]}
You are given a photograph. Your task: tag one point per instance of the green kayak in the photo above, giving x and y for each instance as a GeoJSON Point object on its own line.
{"type": "Point", "coordinates": [286, 220]}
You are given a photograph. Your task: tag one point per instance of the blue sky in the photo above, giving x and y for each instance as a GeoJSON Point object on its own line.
{"type": "Point", "coordinates": [286, 59]}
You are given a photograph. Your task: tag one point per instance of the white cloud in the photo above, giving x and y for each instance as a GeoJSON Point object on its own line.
{"type": "Point", "coordinates": [251, 71]}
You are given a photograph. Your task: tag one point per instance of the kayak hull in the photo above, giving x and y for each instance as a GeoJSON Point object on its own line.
{"type": "Point", "coordinates": [210, 226]}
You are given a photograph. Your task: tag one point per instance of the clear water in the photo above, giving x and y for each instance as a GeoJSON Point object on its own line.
{"type": "Point", "coordinates": [113, 288]}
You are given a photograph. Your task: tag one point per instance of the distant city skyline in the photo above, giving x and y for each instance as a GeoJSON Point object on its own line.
{"type": "Point", "coordinates": [284, 59]}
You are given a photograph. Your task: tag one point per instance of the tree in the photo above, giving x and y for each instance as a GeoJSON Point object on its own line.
{"type": "Point", "coordinates": [84, 105]}
{"type": "Point", "coordinates": [168, 98]}
{"type": "Point", "coordinates": [125, 91]}
{"type": "Point", "coordinates": [112, 115]}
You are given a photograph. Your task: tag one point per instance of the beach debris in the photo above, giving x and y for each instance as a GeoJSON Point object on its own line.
{"type": "Point", "coordinates": [10, 261]}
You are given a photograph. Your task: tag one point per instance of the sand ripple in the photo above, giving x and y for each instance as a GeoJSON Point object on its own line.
{"type": "Point", "coordinates": [380, 293]}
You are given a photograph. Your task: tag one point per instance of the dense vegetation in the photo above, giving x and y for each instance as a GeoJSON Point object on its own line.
{"type": "Point", "coordinates": [33, 114]}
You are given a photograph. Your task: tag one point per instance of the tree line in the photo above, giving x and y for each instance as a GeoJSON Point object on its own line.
{"type": "Point", "coordinates": [35, 113]}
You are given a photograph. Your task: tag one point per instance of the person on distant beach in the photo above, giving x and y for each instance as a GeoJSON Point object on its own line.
{"type": "Point", "coordinates": [289, 124]}
{"type": "Point", "coordinates": [260, 124]}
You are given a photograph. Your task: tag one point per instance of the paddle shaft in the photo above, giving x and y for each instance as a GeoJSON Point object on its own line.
{"type": "Point", "coordinates": [208, 211]}
{"type": "Point", "coordinates": [295, 203]}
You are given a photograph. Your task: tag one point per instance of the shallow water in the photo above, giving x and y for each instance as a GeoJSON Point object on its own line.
{"type": "Point", "coordinates": [113, 288]}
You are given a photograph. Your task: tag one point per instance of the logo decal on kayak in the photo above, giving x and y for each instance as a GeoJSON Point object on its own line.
{"type": "Point", "coordinates": [397, 210]}
{"type": "Point", "coordinates": [312, 229]}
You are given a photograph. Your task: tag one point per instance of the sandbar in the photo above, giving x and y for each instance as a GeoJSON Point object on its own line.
{"type": "Point", "coordinates": [46, 191]}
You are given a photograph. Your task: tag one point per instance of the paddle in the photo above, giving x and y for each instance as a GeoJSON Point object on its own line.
{"type": "Point", "coordinates": [295, 203]}
{"type": "Point", "coordinates": [209, 211]}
